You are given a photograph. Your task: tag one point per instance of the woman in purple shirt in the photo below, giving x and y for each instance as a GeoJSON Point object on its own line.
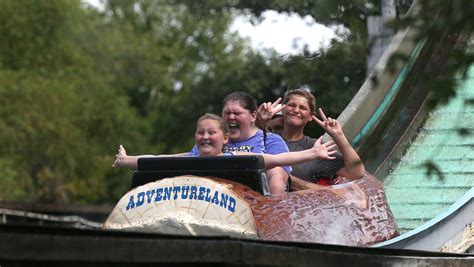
{"type": "Point", "coordinates": [240, 112]}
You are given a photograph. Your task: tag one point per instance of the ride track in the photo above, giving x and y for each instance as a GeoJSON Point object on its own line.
{"type": "Point", "coordinates": [396, 134]}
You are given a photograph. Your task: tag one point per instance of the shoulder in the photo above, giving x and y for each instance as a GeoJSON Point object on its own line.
{"type": "Point", "coordinates": [194, 152]}
{"type": "Point", "coordinates": [256, 139]}
{"type": "Point", "coordinates": [275, 137]}
{"type": "Point", "coordinates": [275, 144]}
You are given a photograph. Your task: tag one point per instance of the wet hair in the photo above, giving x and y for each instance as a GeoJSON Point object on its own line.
{"type": "Point", "coordinates": [222, 123]}
{"type": "Point", "coordinates": [303, 93]}
{"type": "Point", "coordinates": [246, 100]}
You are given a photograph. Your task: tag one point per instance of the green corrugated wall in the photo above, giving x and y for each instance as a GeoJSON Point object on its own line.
{"type": "Point", "coordinates": [415, 197]}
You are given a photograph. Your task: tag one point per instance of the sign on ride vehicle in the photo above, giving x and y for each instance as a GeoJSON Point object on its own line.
{"type": "Point", "coordinates": [184, 205]}
{"type": "Point", "coordinates": [182, 192]}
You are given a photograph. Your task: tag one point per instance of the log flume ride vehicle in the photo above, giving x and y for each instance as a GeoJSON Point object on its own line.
{"type": "Point", "coordinates": [228, 196]}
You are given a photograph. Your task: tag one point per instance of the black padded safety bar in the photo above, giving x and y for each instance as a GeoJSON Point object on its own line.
{"type": "Point", "coordinates": [201, 163]}
{"type": "Point", "coordinates": [247, 170]}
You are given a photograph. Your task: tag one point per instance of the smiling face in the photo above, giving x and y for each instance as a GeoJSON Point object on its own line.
{"type": "Point", "coordinates": [210, 138]}
{"type": "Point", "coordinates": [241, 121]}
{"type": "Point", "coordinates": [297, 111]}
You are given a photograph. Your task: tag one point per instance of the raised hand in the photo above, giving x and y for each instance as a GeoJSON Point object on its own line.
{"type": "Point", "coordinates": [330, 125]}
{"type": "Point", "coordinates": [324, 151]}
{"type": "Point", "coordinates": [267, 110]}
{"type": "Point", "coordinates": [120, 157]}
{"type": "Point", "coordinates": [353, 167]}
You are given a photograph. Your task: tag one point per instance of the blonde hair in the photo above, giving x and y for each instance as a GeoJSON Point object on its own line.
{"type": "Point", "coordinates": [222, 123]}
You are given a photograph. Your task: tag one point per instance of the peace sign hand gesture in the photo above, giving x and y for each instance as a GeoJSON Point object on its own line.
{"type": "Point", "coordinates": [267, 110]}
{"type": "Point", "coordinates": [330, 125]}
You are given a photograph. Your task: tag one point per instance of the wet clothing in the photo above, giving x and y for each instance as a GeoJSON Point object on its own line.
{"type": "Point", "coordinates": [274, 144]}
{"type": "Point", "coordinates": [314, 170]}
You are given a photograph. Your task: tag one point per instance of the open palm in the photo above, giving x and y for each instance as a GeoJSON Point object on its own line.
{"type": "Point", "coordinates": [324, 150]}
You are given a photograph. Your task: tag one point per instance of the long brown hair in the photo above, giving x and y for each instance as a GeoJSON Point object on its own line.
{"type": "Point", "coordinates": [246, 100]}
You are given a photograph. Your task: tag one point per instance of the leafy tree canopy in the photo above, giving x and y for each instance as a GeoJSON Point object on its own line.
{"type": "Point", "coordinates": [75, 82]}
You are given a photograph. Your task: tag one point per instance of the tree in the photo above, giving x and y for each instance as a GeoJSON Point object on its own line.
{"type": "Point", "coordinates": [75, 82]}
{"type": "Point", "coordinates": [59, 122]}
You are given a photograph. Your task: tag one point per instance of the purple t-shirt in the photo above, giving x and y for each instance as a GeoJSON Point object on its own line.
{"type": "Point", "coordinates": [274, 144]}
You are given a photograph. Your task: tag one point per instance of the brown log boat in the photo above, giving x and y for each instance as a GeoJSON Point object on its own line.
{"type": "Point", "coordinates": [228, 196]}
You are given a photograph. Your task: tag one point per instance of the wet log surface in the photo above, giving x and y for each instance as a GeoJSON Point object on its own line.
{"type": "Point", "coordinates": [354, 213]}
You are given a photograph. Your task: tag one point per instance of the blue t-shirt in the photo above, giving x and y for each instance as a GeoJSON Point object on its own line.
{"type": "Point", "coordinates": [274, 144]}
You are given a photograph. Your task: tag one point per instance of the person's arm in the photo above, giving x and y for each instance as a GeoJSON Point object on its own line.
{"type": "Point", "coordinates": [318, 151]}
{"type": "Point", "coordinates": [353, 167]}
{"type": "Point", "coordinates": [277, 180]}
{"type": "Point", "coordinates": [300, 184]}
{"type": "Point", "coordinates": [126, 161]}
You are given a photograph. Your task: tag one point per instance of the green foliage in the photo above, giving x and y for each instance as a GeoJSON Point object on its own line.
{"type": "Point", "coordinates": [32, 33]}
{"type": "Point", "coordinates": [76, 82]}
{"type": "Point", "coordinates": [351, 14]}
{"type": "Point", "coordinates": [432, 169]}
{"type": "Point", "coordinates": [60, 124]}
{"type": "Point", "coordinates": [170, 56]}
{"type": "Point", "coordinates": [436, 20]}
{"type": "Point", "coordinates": [53, 129]}
{"type": "Point", "coordinates": [13, 180]}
